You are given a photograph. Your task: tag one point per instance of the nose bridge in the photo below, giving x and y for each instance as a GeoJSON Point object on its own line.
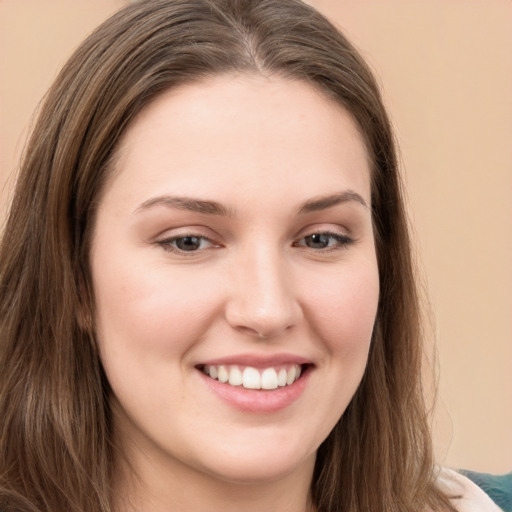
{"type": "Point", "coordinates": [263, 301]}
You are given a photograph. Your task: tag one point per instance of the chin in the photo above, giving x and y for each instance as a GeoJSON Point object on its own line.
{"type": "Point", "coordinates": [260, 470]}
{"type": "Point", "coordinates": [260, 460]}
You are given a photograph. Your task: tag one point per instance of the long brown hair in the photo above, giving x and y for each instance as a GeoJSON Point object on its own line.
{"type": "Point", "coordinates": [55, 446]}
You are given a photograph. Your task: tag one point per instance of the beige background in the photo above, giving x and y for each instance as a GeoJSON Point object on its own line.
{"type": "Point", "coordinates": [446, 70]}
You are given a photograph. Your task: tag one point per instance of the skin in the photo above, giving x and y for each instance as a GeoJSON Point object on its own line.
{"type": "Point", "coordinates": [255, 284]}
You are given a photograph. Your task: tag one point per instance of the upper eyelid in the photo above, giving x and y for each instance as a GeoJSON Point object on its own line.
{"type": "Point", "coordinates": [164, 238]}
{"type": "Point", "coordinates": [333, 234]}
{"type": "Point", "coordinates": [184, 231]}
{"type": "Point", "coordinates": [172, 238]}
{"type": "Point", "coordinates": [315, 229]}
{"type": "Point", "coordinates": [337, 236]}
{"type": "Point", "coordinates": [167, 244]}
{"type": "Point", "coordinates": [201, 231]}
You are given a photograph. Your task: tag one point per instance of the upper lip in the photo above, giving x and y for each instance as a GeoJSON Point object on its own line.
{"type": "Point", "coordinates": [257, 360]}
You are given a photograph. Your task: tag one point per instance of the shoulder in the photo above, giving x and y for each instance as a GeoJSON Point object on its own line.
{"type": "Point", "coordinates": [498, 487]}
{"type": "Point", "coordinates": [467, 496]}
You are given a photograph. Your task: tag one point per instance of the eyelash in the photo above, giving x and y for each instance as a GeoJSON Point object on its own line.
{"type": "Point", "coordinates": [340, 242]}
{"type": "Point", "coordinates": [167, 244]}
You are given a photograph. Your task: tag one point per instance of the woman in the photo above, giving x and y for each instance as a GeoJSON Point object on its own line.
{"type": "Point", "coordinates": [206, 291]}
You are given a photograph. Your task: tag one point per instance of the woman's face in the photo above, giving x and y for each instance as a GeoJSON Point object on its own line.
{"type": "Point", "coordinates": [234, 242]}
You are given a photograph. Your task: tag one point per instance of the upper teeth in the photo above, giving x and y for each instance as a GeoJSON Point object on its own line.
{"type": "Point", "coordinates": [253, 378]}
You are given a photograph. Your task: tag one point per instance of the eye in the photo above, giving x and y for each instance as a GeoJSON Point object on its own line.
{"type": "Point", "coordinates": [186, 243]}
{"type": "Point", "coordinates": [325, 240]}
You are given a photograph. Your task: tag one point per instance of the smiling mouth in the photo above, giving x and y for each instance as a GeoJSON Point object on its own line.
{"type": "Point", "coordinates": [249, 377]}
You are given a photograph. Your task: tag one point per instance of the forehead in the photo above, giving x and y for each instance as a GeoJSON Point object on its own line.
{"type": "Point", "coordinates": [242, 128]}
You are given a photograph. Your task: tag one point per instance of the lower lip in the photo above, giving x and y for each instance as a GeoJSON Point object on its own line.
{"type": "Point", "coordinates": [258, 401]}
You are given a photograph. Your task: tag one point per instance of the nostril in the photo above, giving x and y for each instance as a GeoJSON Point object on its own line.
{"type": "Point", "coordinates": [264, 329]}
{"type": "Point", "coordinates": [251, 331]}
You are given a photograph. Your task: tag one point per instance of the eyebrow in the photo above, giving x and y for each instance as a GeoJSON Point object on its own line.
{"type": "Point", "coordinates": [214, 208]}
{"type": "Point", "coordinates": [324, 202]}
{"type": "Point", "coordinates": [188, 204]}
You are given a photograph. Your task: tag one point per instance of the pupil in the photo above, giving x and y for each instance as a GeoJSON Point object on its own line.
{"type": "Point", "coordinates": [188, 243]}
{"type": "Point", "coordinates": [317, 241]}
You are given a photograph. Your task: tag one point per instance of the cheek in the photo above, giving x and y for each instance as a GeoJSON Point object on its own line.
{"type": "Point", "coordinates": [344, 308]}
{"type": "Point", "coordinates": [342, 311]}
{"type": "Point", "coordinates": [147, 324]}
{"type": "Point", "coordinates": [142, 312]}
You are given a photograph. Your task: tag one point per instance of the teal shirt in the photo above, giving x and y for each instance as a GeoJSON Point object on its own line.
{"type": "Point", "coordinates": [498, 487]}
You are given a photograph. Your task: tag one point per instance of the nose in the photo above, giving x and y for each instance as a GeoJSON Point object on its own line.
{"type": "Point", "coordinates": [262, 302]}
